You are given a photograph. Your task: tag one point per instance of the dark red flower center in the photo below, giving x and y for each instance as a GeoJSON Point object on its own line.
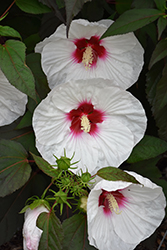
{"type": "Point", "coordinates": [111, 201]}
{"type": "Point", "coordinates": [88, 51]}
{"type": "Point", "coordinates": [85, 118]}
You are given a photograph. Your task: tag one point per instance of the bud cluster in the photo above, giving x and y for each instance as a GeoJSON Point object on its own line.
{"type": "Point", "coordinates": [69, 184]}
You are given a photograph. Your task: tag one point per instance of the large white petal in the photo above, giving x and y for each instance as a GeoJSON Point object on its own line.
{"type": "Point", "coordinates": [141, 214]}
{"type": "Point", "coordinates": [126, 109]}
{"type": "Point", "coordinates": [122, 64]}
{"type": "Point", "coordinates": [101, 232]}
{"type": "Point", "coordinates": [112, 147]}
{"type": "Point", "coordinates": [140, 218]}
{"type": "Point", "coordinates": [78, 29]}
{"type": "Point", "coordinates": [57, 61]}
{"type": "Point", "coordinates": [124, 61]}
{"type": "Point", "coordinates": [113, 142]}
{"type": "Point", "coordinates": [12, 101]}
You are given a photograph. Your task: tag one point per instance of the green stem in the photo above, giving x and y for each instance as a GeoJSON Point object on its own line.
{"type": "Point", "coordinates": [43, 195]}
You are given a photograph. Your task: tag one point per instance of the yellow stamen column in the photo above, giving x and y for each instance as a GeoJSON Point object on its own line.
{"type": "Point", "coordinates": [113, 205]}
{"type": "Point", "coordinates": [85, 124]}
{"type": "Point", "coordinates": [87, 58]}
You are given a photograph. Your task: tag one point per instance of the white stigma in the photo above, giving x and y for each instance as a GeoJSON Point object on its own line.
{"type": "Point", "coordinates": [113, 205]}
{"type": "Point", "coordinates": [85, 124]}
{"type": "Point", "coordinates": [87, 58]}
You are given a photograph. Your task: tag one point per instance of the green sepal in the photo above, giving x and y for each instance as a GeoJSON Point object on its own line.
{"type": "Point", "coordinates": [36, 203]}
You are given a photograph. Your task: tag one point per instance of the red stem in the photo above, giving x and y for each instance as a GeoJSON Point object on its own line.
{"type": "Point", "coordinates": [8, 9]}
{"type": "Point", "coordinates": [31, 161]}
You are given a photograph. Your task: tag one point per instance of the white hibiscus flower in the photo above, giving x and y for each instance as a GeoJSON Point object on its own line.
{"type": "Point", "coordinates": [83, 56]}
{"type": "Point", "coordinates": [121, 214]}
{"type": "Point", "coordinates": [31, 233]}
{"type": "Point", "coordinates": [12, 101]}
{"type": "Point", "coordinates": [99, 122]}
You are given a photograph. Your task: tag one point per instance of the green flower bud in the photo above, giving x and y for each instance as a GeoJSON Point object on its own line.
{"type": "Point", "coordinates": [85, 177]}
{"type": "Point", "coordinates": [63, 163]}
{"type": "Point", "coordinates": [61, 198]}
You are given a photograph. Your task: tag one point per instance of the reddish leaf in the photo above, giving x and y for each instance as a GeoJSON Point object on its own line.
{"type": "Point", "coordinates": [115, 174]}
{"type": "Point", "coordinates": [75, 233]}
{"type": "Point", "coordinates": [14, 168]}
{"type": "Point", "coordinates": [52, 235]}
{"type": "Point", "coordinates": [45, 166]}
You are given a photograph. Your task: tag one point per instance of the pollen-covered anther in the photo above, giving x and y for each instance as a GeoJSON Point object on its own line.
{"type": "Point", "coordinates": [85, 124]}
{"type": "Point", "coordinates": [113, 205]}
{"type": "Point", "coordinates": [87, 58]}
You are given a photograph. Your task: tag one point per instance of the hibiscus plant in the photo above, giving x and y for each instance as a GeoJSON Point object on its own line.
{"type": "Point", "coordinates": [83, 128]}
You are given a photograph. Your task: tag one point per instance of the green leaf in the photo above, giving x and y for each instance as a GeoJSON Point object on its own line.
{"type": "Point", "coordinates": [162, 23]}
{"type": "Point", "coordinates": [8, 31]}
{"type": "Point", "coordinates": [143, 4]}
{"type": "Point", "coordinates": [50, 3]}
{"type": "Point", "coordinates": [60, 3]}
{"type": "Point", "coordinates": [153, 77]}
{"type": "Point", "coordinates": [24, 136]}
{"type": "Point", "coordinates": [74, 233]}
{"type": "Point", "coordinates": [12, 63]}
{"type": "Point", "coordinates": [115, 174]}
{"type": "Point", "coordinates": [161, 4]}
{"type": "Point", "coordinates": [31, 42]}
{"type": "Point", "coordinates": [159, 53]}
{"type": "Point", "coordinates": [146, 32]}
{"type": "Point", "coordinates": [55, 6]}
{"type": "Point", "coordinates": [161, 93]}
{"type": "Point", "coordinates": [32, 6]}
{"type": "Point", "coordinates": [45, 166]}
{"type": "Point", "coordinates": [34, 63]}
{"type": "Point", "coordinates": [148, 147]}
{"type": "Point", "coordinates": [26, 120]}
{"type": "Point", "coordinates": [156, 93]}
{"type": "Point", "coordinates": [160, 105]}
{"type": "Point", "coordinates": [161, 121]}
{"type": "Point", "coordinates": [27, 139]}
{"type": "Point", "coordinates": [52, 236]}
{"type": "Point", "coordinates": [132, 20]}
{"type": "Point", "coordinates": [122, 6]}
{"type": "Point", "coordinates": [72, 9]}
{"type": "Point", "coordinates": [14, 168]}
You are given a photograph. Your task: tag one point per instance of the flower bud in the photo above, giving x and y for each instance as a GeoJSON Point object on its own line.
{"type": "Point", "coordinates": [83, 204]}
{"type": "Point", "coordinates": [31, 233]}
{"type": "Point", "coordinates": [63, 163]}
{"type": "Point", "coordinates": [85, 177]}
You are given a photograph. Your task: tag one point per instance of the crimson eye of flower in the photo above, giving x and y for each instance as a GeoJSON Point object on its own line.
{"type": "Point", "coordinates": [111, 201]}
{"type": "Point", "coordinates": [88, 50]}
{"type": "Point", "coordinates": [85, 118]}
